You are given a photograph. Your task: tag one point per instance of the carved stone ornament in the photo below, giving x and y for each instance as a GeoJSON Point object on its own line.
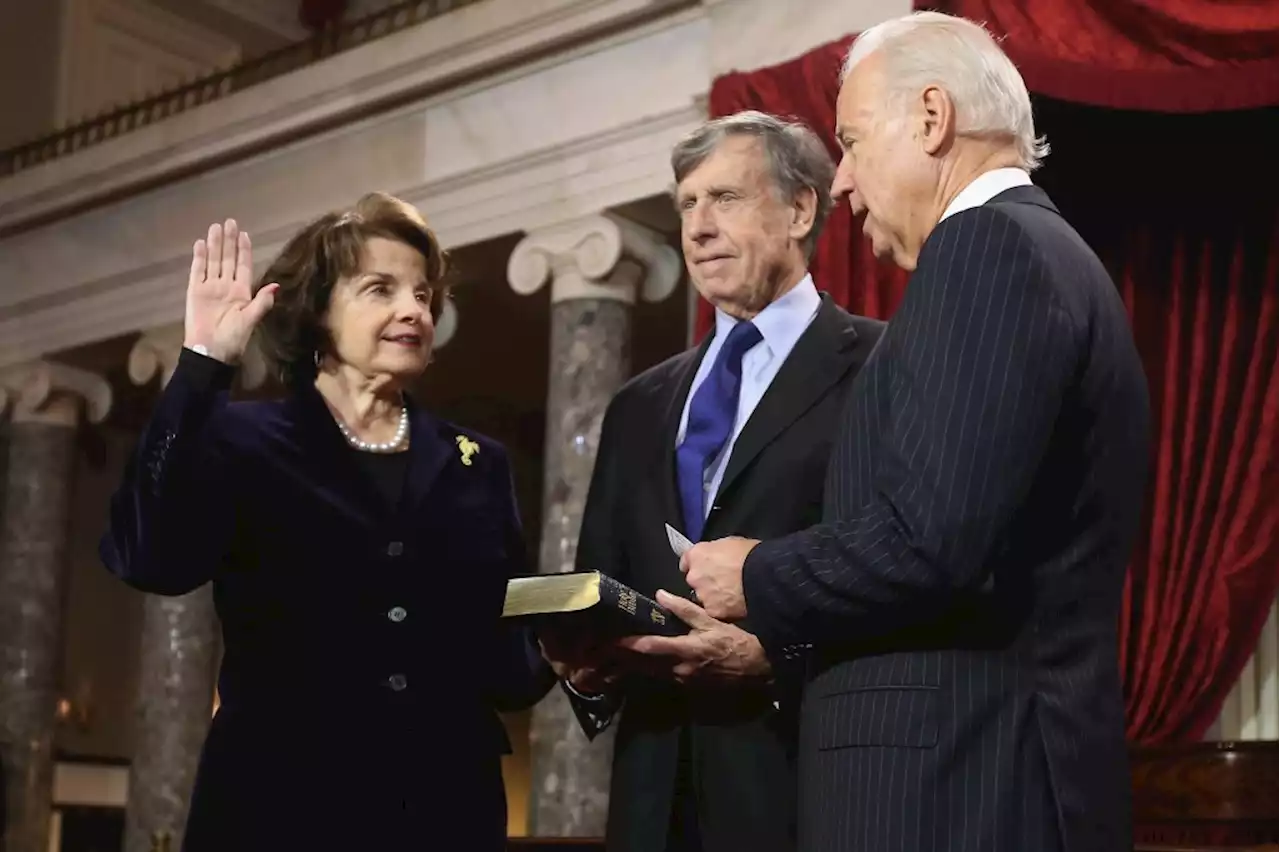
{"type": "Point", "coordinates": [45, 391]}
{"type": "Point", "coordinates": [157, 351]}
{"type": "Point", "coordinates": [598, 257]}
{"type": "Point", "coordinates": [447, 325]}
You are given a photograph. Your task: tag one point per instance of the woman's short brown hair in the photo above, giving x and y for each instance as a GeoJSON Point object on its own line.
{"type": "Point", "coordinates": [317, 257]}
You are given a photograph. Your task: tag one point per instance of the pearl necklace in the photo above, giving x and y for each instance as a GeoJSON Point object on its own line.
{"type": "Point", "coordinates": [394, 445]}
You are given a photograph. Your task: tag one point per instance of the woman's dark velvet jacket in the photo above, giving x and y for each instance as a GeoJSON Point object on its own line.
{"type": "Point", "coordinates": [365, 659]}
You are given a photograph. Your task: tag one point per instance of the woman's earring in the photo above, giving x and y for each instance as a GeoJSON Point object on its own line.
{"type": "Point", "coordinates": [315, 356]}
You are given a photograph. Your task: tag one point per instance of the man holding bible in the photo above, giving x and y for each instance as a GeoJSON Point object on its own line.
{"type": "Point", "coordinates": [958, 604]}
{"type": "Point", "coordinates": [729, 438]}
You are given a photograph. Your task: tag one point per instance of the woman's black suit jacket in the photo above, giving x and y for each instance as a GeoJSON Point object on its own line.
{"type": "Point", "coordinates": [364, 655]}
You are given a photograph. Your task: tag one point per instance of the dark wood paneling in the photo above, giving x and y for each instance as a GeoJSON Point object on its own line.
{"type": "Point", "coordinates": [1205, 795]}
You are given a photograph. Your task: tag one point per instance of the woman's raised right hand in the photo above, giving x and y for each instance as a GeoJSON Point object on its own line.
{"type": "Point", "coordinates": [222, 309]}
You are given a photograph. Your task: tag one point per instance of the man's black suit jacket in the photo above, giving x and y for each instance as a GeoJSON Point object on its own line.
{"type": "Point", "coordinates": [961, 596]}
{"type": "Point", "coordinates": [741, 746]}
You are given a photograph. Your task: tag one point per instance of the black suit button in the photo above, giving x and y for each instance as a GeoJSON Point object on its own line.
{"type": "Point", "coordinates": [397, 682]}
{"type": "Point", "coordinates": [395, 548]}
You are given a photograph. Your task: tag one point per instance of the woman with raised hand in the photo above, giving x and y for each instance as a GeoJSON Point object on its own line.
{"type": "Point", "coordinates": [358, 547]}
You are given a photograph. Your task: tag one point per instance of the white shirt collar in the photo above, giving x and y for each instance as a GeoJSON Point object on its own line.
{"type": "Point", "coordinates": [985, 187]}
{"type": "Point", "coordinates": [782, 321]}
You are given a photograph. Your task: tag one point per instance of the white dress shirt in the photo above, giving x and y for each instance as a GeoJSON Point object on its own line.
{"type": "Point", "coordinates": [781, 323]}
{"type": "Point", "coordinates": [985, 187]}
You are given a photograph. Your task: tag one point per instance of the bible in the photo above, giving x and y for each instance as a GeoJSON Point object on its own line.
{"type": "Point", "coordinates": [591, 601]}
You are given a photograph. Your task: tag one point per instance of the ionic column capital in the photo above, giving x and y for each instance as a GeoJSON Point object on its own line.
{"type": "Point", "coordinates": [596, 257]}
{"type": "Point", "coordinates": [48, 392]}
{"type": "Point", "coordinates": [446, 325]}
{"type": "Point", "coordinates": [156, 352]}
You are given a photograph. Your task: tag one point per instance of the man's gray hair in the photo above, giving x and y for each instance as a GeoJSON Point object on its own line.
{"type": "Point", "coordinates": [797, 159]}
{"type": "Point", "coordinates": [930, 48]}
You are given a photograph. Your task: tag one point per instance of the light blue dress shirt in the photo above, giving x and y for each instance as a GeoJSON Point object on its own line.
{"type": "Point", "coordinates": [781, 323]}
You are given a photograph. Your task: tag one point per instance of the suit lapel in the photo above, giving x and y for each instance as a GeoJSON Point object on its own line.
{"type": "Point", "coordinates": [330, 462]}
{"type": "Point", "coordinates": [820, 358]}
{"type": "Point", "coordinates": [671, 429]}
{"type": "Point", "coordinates": [429, 451]}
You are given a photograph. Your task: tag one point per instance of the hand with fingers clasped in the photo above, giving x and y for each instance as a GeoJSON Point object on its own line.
{"type": "Point", "coordinates": [713, 569]}
{"type": "Point", "coordinates": [585, 663]}
{"type": "Point", "coordinates": [712, 650]}
{"type": "Point", "coordinates": [222, 309]}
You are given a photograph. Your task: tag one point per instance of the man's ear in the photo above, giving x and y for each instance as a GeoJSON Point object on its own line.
{"type": "Point", "coordinates": [938, 120]}
{"type": "Point", "coordinates": [804, 212]}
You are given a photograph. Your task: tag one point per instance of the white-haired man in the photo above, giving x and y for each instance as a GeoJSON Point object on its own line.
{"type": "Point", "coordinates": [958, 604]}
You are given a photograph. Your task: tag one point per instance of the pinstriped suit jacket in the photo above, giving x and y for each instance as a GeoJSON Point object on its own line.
{"type": "Point", "coordinates": [960, 599]}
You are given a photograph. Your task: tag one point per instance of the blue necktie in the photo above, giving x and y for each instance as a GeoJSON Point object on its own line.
{"type": "Point", "coordinates": [711, 416]}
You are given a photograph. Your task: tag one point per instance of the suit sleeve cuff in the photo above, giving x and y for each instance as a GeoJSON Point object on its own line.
{"type": "Point", "coordinates": [594, 713]}
{"type": "Point", "coordinates": [757, 579]}
{"type": "Point", "coordinates": [202, 373]}
{"type": "Point", "coordinates": [593, 698]}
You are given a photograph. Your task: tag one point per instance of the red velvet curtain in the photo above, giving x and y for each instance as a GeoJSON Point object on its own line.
{"type": "Point", "coordinates": [1167, 55]}
{"type": "Point", "coordinates": [1204, 575]}
{"type": "Point", "coordinates": [1195, 260]}
{"type": "Point", "coordinates": [1174, 206]}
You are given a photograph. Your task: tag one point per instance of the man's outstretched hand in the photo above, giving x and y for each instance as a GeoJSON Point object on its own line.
{"type": "Point", "coordinates": [712, 650]}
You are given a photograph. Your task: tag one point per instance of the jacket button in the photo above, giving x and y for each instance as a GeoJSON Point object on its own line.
{"type": "Point", "coordinates": [397, 682]}
{"type": "Point", "coordinates": [397, 614]}
{"type": "Point", "coordinates": [395, 548]}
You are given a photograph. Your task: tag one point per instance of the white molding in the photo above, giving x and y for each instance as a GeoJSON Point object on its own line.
{"type": "Point", "coordinates": [557, 184]}
{"type": "Point", "coordinates": [563, 136]}
{"type": "Point", "coordinates": [122, 268]}
{"type": "Point", "coordinates": [750, 34]}
{"type": "Point", "coordinates": [465, 41]}
{"type": "Point", "coordinates": [534, 192]}
{"type": "Point", "coordinates": [163, 45]}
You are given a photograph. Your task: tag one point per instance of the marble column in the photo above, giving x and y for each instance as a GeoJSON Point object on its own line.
{"type": "Point", "coordinates": [597, 267]}
{"type": "Point", "coordinates": [46, 401]}
{"type": "Point", "coordinates": [178, 657]}
{"type": "Point", "coordinates": [446, 325]}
